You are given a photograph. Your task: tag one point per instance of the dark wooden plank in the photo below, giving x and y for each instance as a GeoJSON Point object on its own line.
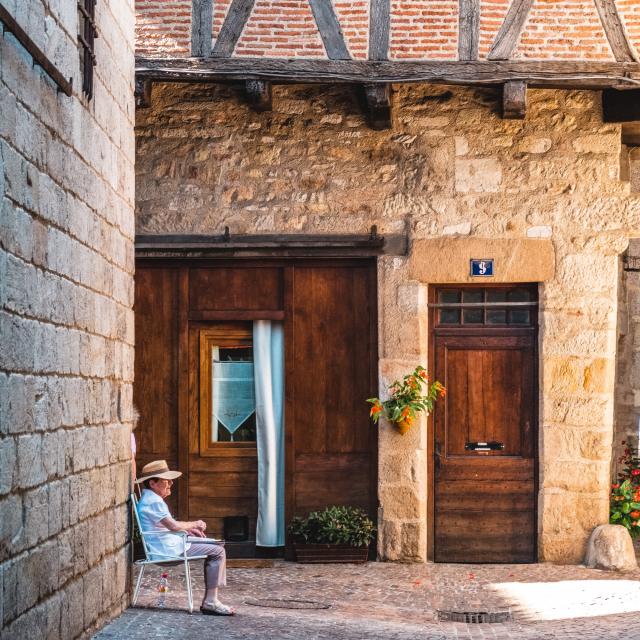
{"type": "Point", "coordinates": [615, 31]}
{"type": "Point", "coordinates": [507, 38]}
{"type": "Point", "coordinates": [327, 462]}
{"type": "Point", "coordinates": [155, 391]}
{"type": "Point", "coordinates": [184, 400]}
{"type": "Point", "coordinates": [621, 106]}
{"type": "Point", "coordinates": [468, 29]}
{"type": "Point", "coordinates": [289, 402]}
{"type": "Point", "coordinates": [379, 108]}
{"type": "Point", "coordinates": [561, 74]}
{"type": "Point", "coordinates": [232, 27]}
{"type": "Point", "coordinates": [221, 507]}
{"type": "Point", "coordinates": [514, 100]}
{"type": "Point", "coordinates": [329, 29]}
{"type": "Point", "coordinates": [235, 289]}
{"type": "Point", "coordinates": [201, 27]}
{"type": "Point", "coordinates": [259, 95]}
{"type": "Point", "coordinates": [379, 24]}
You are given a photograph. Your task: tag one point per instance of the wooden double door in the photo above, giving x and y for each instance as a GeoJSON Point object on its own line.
{"type": "Point", "coordinates": [484, 447]}
{"type": "Point", "coordinates": [187, 311]}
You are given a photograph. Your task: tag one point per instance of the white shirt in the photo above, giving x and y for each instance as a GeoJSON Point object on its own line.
{"type": "Point", "coordinates": [151, 510]}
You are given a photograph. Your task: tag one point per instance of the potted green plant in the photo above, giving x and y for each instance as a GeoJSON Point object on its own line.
{"type": "Point", "coordinates": [409, 396]}
{"type": "Point", "coordinates": [336, 534]}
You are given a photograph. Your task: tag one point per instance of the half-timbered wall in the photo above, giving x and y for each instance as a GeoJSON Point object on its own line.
{"type": "Point", "coordinates": [414, 30]}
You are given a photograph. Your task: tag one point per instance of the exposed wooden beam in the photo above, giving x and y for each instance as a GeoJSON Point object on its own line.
{"type": "Point", "coordinates": [232, 27]}
{"type": "Point", "coordinates": [616, 34]}
{"type": "Point", "coordinates": [566, 74]}
{"type": "Point", "coordinates": [142, 93]}
{"type": "Point", "coordinates": [621, 106]}
{"type": "Point", "coordinates": [379, 109]}
{"type": "Point", "coordinates": [259, 94]}
{"type": "Point", "coordinates": [201, 26]}
{"type": "Point", "coordinates": [514, 100]}
{"type": "Point", "coordinates": [379, 29]}
{"type": "Point", "coordinates": [329, 29]}
{"type": "Point", "coordinates": [469, 29]}
{"type": "Point", "coordinates": [507, 39]}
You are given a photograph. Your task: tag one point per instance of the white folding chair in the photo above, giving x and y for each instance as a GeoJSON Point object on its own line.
{"type": "Point", "coordinates": [161, 560]}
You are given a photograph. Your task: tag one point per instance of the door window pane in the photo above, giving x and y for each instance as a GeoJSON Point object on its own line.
{"type": "Point", "coordinates": [233, 404]}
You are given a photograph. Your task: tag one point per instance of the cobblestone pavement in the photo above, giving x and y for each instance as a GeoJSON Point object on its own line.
{"type": "Point", "coordinates": [395, 601]}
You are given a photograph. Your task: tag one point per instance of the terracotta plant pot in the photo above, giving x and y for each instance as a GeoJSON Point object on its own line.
{"type": "Point", "coordinates": [403, 425]}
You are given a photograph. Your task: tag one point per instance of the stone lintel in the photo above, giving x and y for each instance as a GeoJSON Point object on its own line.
{"type": "Point", "coordinates": [446, 260]}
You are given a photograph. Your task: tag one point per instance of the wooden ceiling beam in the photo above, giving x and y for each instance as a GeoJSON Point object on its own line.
{"type": "Point", "coordinates": [546, 74]}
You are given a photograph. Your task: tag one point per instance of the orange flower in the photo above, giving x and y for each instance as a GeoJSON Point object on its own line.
{"type": "Point", "coordinates": [405, 412]}
{"type": "Point", "coordinates": [377, 408]}
{"type": "Point", "coordinates": [635, 514]}
{"type": "Point", "coordinates": [423, 375]}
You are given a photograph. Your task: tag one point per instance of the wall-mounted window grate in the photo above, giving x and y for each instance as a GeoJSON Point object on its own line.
{"type": "Point", "coordinates": [87, 33]}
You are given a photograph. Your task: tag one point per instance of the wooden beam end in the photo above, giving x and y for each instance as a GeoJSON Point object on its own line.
{"type": "Point", "coordinates": [259, 94]}
{"type": "Point", "coordinates": [621, 106]}
{"type": "Point", "coordinates": [514, 100]}
{"type": "Point", "coordinates": [142, 93]}
{"type": "Point", "coordinates": [379, 107]}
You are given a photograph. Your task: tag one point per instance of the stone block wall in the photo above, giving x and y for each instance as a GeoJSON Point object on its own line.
{"type": "Point", "coordinates": [66, 324]}
{"type": "Point", "coordinates": [450, 167]}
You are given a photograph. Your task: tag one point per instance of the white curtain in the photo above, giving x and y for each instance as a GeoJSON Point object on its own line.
{"type": "Point", "coordinates": [268, 358]}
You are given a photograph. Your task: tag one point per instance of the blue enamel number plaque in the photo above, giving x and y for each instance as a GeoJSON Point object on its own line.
{"type": "Point", "coordinates": [482, 268]}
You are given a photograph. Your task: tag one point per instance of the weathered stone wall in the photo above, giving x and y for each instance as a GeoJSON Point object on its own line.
{"type": "Point", "coordinates": [66, 324]}
{"type": "Point", "coordinates": [450, 167]}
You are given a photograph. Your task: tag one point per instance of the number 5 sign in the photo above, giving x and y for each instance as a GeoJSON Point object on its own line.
{"type": "Point", "coordinates": [482, 268]}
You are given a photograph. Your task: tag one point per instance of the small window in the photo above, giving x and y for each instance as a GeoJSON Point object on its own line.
{"type": "Point", "coordinates": [492, 306]}
{"type": "Point", "coordinates": [227, 388]}
{"type": "Point", "coordinates": [87, 33]}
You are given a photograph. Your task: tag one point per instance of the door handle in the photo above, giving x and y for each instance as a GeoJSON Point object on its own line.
{"type": "Point", "coordinates": [484, 446]}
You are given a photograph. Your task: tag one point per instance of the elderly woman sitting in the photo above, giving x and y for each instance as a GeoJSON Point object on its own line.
{"type": "Point", "coordinates": [154, 516]}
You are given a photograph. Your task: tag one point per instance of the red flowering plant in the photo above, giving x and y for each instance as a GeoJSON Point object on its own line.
{"type": "Point", "coordinates": [409, 396]}
{"type": "Point", "coordinates": [625, 494]}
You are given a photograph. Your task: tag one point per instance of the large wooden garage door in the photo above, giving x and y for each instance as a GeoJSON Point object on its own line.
{"type": "Point", "coordinates": [485, 429]}
{"type": "Point", "coordinates": [328, 310]}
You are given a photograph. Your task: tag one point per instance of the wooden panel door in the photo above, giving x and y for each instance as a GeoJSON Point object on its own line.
{"type": "Point", "coordinates": [331, 445]}
{"type": "Point", "coordinates": [485, 446]}
{"type": "Point", "coordinates": [155, 392]}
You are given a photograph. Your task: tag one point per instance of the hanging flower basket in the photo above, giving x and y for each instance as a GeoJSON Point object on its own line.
{"type": "Point", "coordinates": [409, 396]}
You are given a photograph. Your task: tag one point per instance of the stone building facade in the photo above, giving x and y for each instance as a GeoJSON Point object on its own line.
{"type": "Point", "coordinates": [457, 179]}
{"type": "Point", "coordinates": [66, 322]}
{"type": "Point", "coordinates": [553, 198]}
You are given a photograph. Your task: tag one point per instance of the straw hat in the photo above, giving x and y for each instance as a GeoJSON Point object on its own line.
{"type": "Point", "coordinates": [158, 469]}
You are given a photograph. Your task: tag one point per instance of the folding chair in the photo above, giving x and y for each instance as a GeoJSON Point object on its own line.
{"type": "Point", "coordinates": [161, 560]}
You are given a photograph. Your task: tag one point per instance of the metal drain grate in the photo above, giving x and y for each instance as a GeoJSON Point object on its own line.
{"type": "Point", "coordinates": [473, 617]}
{"type": "Point", "coordinates": [287, 603]}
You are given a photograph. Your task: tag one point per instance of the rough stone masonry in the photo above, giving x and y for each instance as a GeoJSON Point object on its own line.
{"type": "Point", "coordinates": [450, 173]}
{"type": "Point", "coordinates": [66, 323]}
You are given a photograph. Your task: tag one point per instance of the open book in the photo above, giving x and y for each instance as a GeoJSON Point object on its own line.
{"type": "Point", "coordinates": [198, 539]}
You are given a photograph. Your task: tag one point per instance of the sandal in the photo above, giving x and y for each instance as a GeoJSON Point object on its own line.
{"type": "Point", "coordinates": [216, 609]}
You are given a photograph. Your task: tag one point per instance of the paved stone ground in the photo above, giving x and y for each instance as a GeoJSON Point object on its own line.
{"type": "Point", "coordinates": [399, 602]}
